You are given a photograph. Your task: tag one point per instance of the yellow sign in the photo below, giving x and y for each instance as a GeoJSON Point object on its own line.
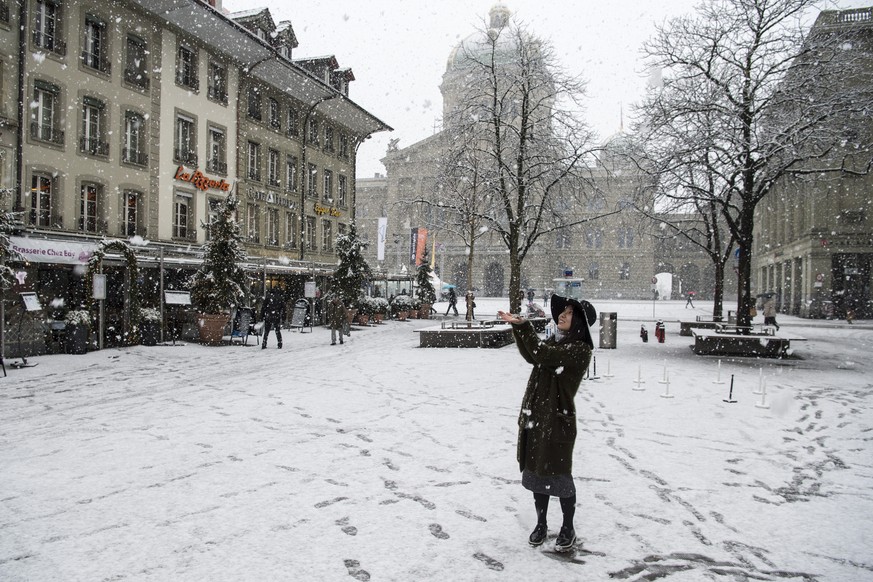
{"type": "Point", "coordinates": [330, 210]}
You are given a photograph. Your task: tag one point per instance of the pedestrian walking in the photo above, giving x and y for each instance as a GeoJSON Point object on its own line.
{"type": "Point", "coordinates": [337, 316]}
{"type": "Point", "coordinates": [471, 305]}
{"type": "Point", "coordinates": [547, 420]}
{"type": "Point", "coordinates": [770, 310]}
{"type": "Point", "coordinates": [272, 312]}
{"type": "Point", "coordinates": [453, 301]}
{"type": "Point", "coordinates": [689, 299]}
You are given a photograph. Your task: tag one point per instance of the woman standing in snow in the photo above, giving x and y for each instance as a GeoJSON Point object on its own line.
{"type": "Point", "coordinates": [547, 421]}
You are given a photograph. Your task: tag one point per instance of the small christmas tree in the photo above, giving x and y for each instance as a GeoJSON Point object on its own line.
{"type": "Point", "coordinates": [220, 281]}
{"type": "Point", "coordinates": [425, 292]}
{"type": "Point", "coordinates": [353, 270]}
{"type": "Point", "coordinates": [7, 224]}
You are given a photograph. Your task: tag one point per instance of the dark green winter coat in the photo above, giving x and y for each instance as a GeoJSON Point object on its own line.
{"type": "Point", "coordinates": [547, 420]}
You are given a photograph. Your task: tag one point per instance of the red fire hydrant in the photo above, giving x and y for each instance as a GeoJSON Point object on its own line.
{"type": "Point", "coordinates": [659, 331]}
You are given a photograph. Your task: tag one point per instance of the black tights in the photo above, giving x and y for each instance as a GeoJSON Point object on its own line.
{"type": "Point", "coordinates": [568, 507]}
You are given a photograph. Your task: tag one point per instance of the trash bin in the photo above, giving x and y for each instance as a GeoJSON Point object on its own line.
{"type": "Point", "coordinates": [608, 325]}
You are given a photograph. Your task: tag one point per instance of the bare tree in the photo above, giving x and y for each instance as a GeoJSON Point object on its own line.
{"type": "Point", "coordinates": [517, 145]}
{"type": "Point", "coordinates": [688, 186]}
{"type": "Point", "coordinates": [776, 104]}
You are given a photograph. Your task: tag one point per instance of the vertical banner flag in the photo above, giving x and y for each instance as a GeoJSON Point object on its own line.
{"type": "Point", "coordinates": [413, 244]}
{"type": "Point", "coordinates": [382, 236]}
{"type": "Point", "coordinates": [421, 247]}
{"type": "Point", "coordinates": [417, 245]}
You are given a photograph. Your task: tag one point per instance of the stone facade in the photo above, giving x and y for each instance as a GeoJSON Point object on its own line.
{"type": "Point", "coordinates": [136, 121]}
{"type": "Point", "coordinates": [814, 234]}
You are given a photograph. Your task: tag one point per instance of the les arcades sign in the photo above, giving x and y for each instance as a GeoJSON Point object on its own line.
{"type": "Point", "coordinates": [326, 210]}
{"type": "Point", "coordinates": [200, 180]}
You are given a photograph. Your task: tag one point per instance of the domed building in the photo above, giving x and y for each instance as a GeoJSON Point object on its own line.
{"type": "Point", "coordinates": [613, 256]}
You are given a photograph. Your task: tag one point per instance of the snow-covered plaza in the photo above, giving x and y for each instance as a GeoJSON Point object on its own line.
{"type": "Point", "coordinates": [380, 460]}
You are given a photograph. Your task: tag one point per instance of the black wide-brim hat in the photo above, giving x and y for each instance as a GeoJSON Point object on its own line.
{"type": "Point", "coordinates": [581, 309]}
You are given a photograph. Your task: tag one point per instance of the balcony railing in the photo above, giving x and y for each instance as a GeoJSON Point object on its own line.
{"type": "Point", "coordinates": [134, 157]}
{"type": "Point", "coordinates": [185, 157]}
{"type": "Point", "coordinates": [184, 233]}
{"type": "Point", "coordinates": [189, 80]}
{"type": "Point", "coordinates": [137, 78]}
{"type": "Point", "coordinates": [49, 43]}
{"type": "Point", "coordinates": [47, 133]}
{"type": "Point", "coordinates": [97, 62]}
{"type": "Point", "coordinates": [94, 147]}
{"type": "Point", "coordinates": [217, 166]}
{"type": "Point", "coordinates": [217, 94]}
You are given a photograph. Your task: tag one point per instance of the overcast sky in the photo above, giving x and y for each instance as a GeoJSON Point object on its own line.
{"type": "Point", "coordinates": [398, 51]}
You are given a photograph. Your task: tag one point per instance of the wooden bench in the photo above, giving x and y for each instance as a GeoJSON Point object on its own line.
{"type": "Point", "coordinates": [733, 340]}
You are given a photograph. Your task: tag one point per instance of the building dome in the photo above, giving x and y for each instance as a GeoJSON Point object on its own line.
{"type": "Point", "coordinates": [475, 45]}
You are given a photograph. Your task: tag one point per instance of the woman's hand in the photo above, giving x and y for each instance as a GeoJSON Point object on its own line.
{"type": "Point", "coordinates": [509, 317]}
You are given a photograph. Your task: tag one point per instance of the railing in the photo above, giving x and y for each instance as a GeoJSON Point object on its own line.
{"type": "Point", "coordinates": [50, 43]}
{"type": "Point", "coordinates": [47, 133]}
{"type": "Point", "coordinates": [219, 95]}
{"type": "Point", "coordinates": [189, 80]}
{"type": "Point", "coordinates": [134, 157]}
{"type": "Point", "coordinates": [855, 15]}
{"type": "Point", "coordinates": [97, 62]}
{"type": "Point", "coordinates": [185, 157]}
{"type": "Point", "coordinates": [137, 78]}
{"type": "Point", "coordinates": [214, 165]}
{"type": "Point", "coordinates": [94, 147]}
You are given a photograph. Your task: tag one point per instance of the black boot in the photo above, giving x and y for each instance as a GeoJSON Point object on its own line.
{"type": "Point", "coordinates": [566, 539]}
{"type": "Point", "coordinates": [538, 535]}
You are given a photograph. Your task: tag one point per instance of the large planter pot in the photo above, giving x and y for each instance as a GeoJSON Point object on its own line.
{"type": "Point", "coordinates": [378, 317]}
{"type": "Point", "coordinates": [76, 341]}
{"type": "Point", "coordinates": [402, 315]}
{"type": "Point", "coordinates": [212, 327]}
{"type": "Point", "coordinates": [150, 331]}
{"type": "Point", "coordinates": [363, 318]}
{"type": "Point", "coordinates": [424, 312]}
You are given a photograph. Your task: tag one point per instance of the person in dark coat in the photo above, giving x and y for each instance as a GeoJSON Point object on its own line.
{"type": "Point", "coordinates": [337, 317]}
{"type": "Point", "coordinates": [272, 313]}
{"type": "Point", "coordinates": [547, 421]}
{"type": "Point", "coordinates": [453, 301]}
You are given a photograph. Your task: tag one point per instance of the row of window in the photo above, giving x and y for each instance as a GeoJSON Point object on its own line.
{"type": "Point", "coordinates": [272, 229]}
{"type": "Point", "coordinates": [96, 50]}
{"type": "Point", "coordinates": [43, 212]}
{"type": "Point", "coordinates": [93, 130]}
{"type": "Point", "coordinates": [44, 200]}
{"type": "Point", "coordinates": [332, 191]}
{"type": "Point", "coordinates": [330, 141]}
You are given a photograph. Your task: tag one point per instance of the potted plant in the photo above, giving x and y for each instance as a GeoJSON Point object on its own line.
{"type": "Point", "coordinates": [380, 308]}
{"type": "Point", "coordinates": [415, 309]}
{"type": "Point", "coordinates": [365, 309]}
{"type": "Point", "coordinates": [220, 281]}
{"type": "Point", "coordinates": [150, 329]}
{"type": "Point", "coordinates": [78, 328]}
{"type": "Point", "coordinates": [401, 306]}
{"type": "Point", "coordinates": [425, 291]}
